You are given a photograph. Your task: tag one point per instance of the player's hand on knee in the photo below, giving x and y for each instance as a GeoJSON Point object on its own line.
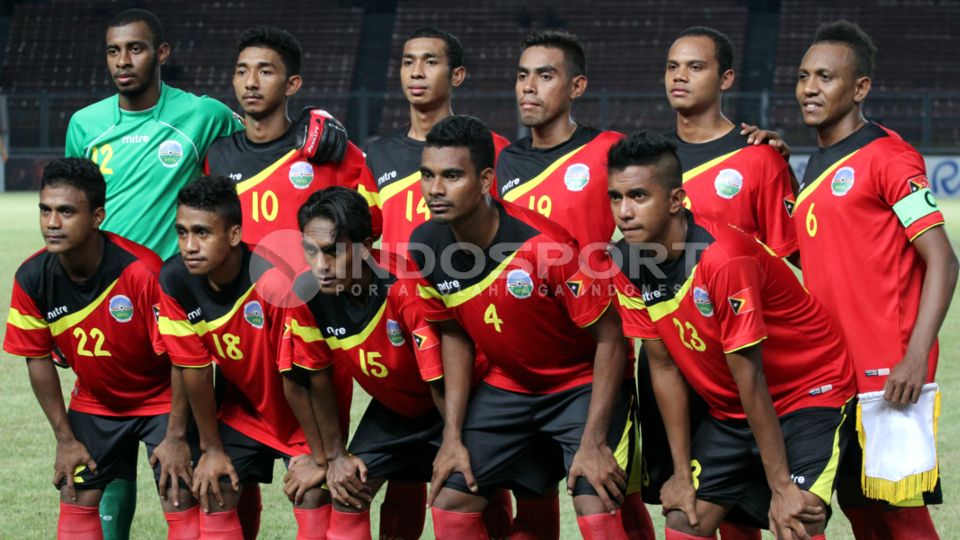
{"type": "Point", "coordinates": [599, 466]}
{"type": "Point", "coordinates": [172, 455]}
{"type": "Point", "coordinates": [906, 380]}
{"type": "Point", "coordinates": [303, 474]}
{"type": "Point", "coordinates": [347, 480]}
{"type": "Point", "coordinates": [320, 137]}
{"type": "Point", "coordinates": [756, 136]}
{"type": "Point", "coordinates": [786, 506]}
{"type": "Point", "coordinates": [678, 493]}
{"type": "Point", "coordinates": [71, 459]}
{"type": "Point", "coordinates": [452, 457]}
{"type": "Point", "coordinates": [213, 465]}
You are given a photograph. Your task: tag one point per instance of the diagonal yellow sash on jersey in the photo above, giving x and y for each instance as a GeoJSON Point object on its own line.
{"type": "Point", "coordinates": [398, 186]}
{"type": "Point", "coordinates": [311, 334]}
{"type": "Point", "coordinates": [699, 169]}
{"type": "Point", "coordinates": [59, 326]}
{"type": "Point", "coordinates": [816, 183]}
{"type": "Point", "coordinates": [525, 187]}
{"type": "Point", "coordinates": [264, 174]}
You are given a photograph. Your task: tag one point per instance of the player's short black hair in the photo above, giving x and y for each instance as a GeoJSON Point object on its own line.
{"type": "Point", "coordinates": [465, 131]}
{"type": "Point", "coordinates": [344, 207]}
{"type": "Point", "coordinates": [647, 148]}
{"type": "Point", "coordinates": [569, 43]}
{"type": "Point", "coordinates": [135, 15]}
{"type": "Point", "coordinates": [78, 173]}
{"type": "Point", "coordinates": [217, 194]}
{"type": "Point", "coordinates": [851, 35]}
{"type": "Point", "coordinates": [451, 45]}
{"type": "Point", "coordinates": [722, 46]}
{"type": "Point", "coordinates": [280, 41]}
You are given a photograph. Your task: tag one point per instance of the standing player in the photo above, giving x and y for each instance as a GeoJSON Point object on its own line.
{"type": "Point", "coordinates": [557, 355]}
{"type": "Point", "coordinates": [91, 296]}
{"type": "Point", "coordinates": [221, 303]}
{"type": "Point", "coordinates": [871, 241]}
{"type": "Point", "coordinates": [430, 69]}
{"type": "Point", "coordinates": [720, 310]}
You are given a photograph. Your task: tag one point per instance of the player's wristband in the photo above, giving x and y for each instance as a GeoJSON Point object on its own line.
{"type": "Point", "coordinates": [915, 206]}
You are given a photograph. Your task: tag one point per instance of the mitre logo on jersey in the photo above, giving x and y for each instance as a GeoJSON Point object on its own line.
{"type": "Point", "coordinates": [394, 333]}
{"type": "Point", "coordinates": [170, 153]}
{"type": "Point", "coordinates": [728, 183]}
{"type": "Point", "coordinates": [702, 300]}
{"type": "Point", "coordinates": [842, 181]}
{"type": "Point", "coordinates": [301, 175]}
{"type": "Point", "coordinates": [519, 284]}
{"type": "Point", "coordinates": [253, 314]}
{"type": "Point", "coordinates": [577, 177]}
{"type": "Point", "coordinates": [121, 308]}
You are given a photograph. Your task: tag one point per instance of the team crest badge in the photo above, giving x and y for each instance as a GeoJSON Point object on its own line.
{"type": "Point", "coordinates": [121, 308]}
{"type": "Point", "coordinates": [519, 284]}
{"type": "Point", "coordinates": [577, 177]}
{"type": "Point", "coordinates": [394, 333]}
{"type": "Point", "coordinates": [170, 153]}
{"type": "Point", "coordinates": [702, 300]}
{"type": "Point", "coordinates": [842, 181]}
{"type": "Point", "coordinates": [253, 313]}
{"type": "Point", "coordinates": [728, 183]}
{"type": "Point", "coordinates": [301, 175]}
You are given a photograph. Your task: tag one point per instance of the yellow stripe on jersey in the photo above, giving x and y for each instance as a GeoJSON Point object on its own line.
{"type": "Point", "coordinates": [816, 183]}
{"type": "Point", "coordinates": [661, 310]}
{"type": "Point", "coordinates": [311, 334]}
{"type": "Point", "coordinates": [460, 297]}
{"type": "Point", "coordinates": [59, 326]}
{"type": "Point", "coordinates": [696, 171]}
{"type": "Point", "coordinates": [398, 187]}
{"type": "Point", "coordinates": [264, 174]}
{"type": "Point", "coordinates": [181, 328]}
{"type": "Point", "coordinates": [525, 187]}
{"type": "Point", "coordinates": [174, 327]}
{"type": "Point", "coordinates": [630, 302]}
{"type": "Point", "coordinates": [24, 321]}
{"type": "Point", "coordinates": [372, 198]}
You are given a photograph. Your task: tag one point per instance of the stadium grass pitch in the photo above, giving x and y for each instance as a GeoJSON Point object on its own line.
{"type": "Point", "coordinates": [27, 446]}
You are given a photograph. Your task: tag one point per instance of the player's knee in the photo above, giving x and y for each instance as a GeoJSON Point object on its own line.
{"type": "Point", "coordinates": [85, 497]}
{"type": "Point", "coordinates": [815, 527]}
{"type": "Point", "coordinates": [452, 500]}
{"type": "Point", "coordinates": [589, 505]}
{"type": "Point", "coordinates": [314, 498]}
{"type": "Point", "coordinates": [678, 521]}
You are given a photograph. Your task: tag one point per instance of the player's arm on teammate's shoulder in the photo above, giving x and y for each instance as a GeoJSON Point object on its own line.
{"type": "Point", "coordinates": [457, 350]}
{"type": "Point", "coordinates": [939, 281]}
{"type": "Point", "coordinates": [673, 399]}
{"type": "Point", "coordinates": [70, 453]}
{"type": "Point", "coordinates": [756, 136]}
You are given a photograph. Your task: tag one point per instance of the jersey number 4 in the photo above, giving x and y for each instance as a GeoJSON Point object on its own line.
{"type": "Point", "coordinates": [421, 207]}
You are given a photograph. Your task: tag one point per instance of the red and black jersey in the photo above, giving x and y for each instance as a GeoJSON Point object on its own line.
{"type": "Point", "coordinates": [274, 180]}
{"type": "Point", "coordinates": [861, 204]}
{"type": "Point", "coordinates": [394, 162]}
{"type": "Point", "coordinates": [385, 342]}
{"type": "Point", "coordinates": [726, 292]}
{"type": "Point", "coordinates": [239, 327]}
{"type": "Point", "coordinates": [525, 300]}
{"type": "Point", "coordinates": [745, 185]}
{"type": "Point", "coordinates": [105, 328]}
{"type": "Point", "coordinates": [564, 183]}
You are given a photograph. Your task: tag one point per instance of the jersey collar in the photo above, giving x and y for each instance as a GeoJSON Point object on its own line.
{"type": "Point", "coordinates": [155, 111]}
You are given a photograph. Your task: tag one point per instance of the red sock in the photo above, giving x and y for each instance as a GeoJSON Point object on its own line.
{"type": "Point", "coordinates": [312, 523]}
{"type": "Point", "coordinates": [636, 518]}
{"type": "Point", "coordinates": [537, 519]}
{"type": "Point", "coordinates": [79, 522]}
{"type": "Point", "coordinates": [864, 522]}
{"type": "Point", "coordinates": [911, 524]}
{"type": "Point", "coordinates": [220, 526]}
{"type": "Point", "coordinates": [349, 525]}
{"type": "Point", "coordinates": [601, 527]}
{"type": "Point", "coordinates": [458, 525]}
{"type": "Point", "coordinates": [248, 511]}
{"type": "Point", "coordinates": [498, 515]}
{"type": "Point", "coordinates": [183, 525]}
{"type": "Point", "coordinates": [404, 510]}
{"type": "Point", "coordinates": [734, 531]}
{"type": "Point", "coordinates": [677, 535]}
{"type": "Point", "coordinates": [818, 537]}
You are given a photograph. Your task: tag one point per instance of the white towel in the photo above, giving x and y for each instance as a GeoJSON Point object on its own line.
{"type": "Point", "coordinates": [899, 445]}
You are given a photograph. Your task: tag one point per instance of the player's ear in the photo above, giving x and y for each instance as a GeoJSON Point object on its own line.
{"type": "Point", "coordinates": [294, 82]}
{"type": "Point", "coordinates": [368, 243]}
{"type": "Point", "coordinates": [99, 214]}
{"type": "Point", "coordinates": [861, 89]}
{"type": "Point", "coordinates": [486, 179]}
{"type": "Point", "coordinates": [677, 196]}
{"type": "Point", "coordinates": [235, 234]}
{"type": "Point", "coordinates": [457, 76]}
{"type": "Point", "coordinates": [727, 79]}
{"type": "Point", "coordinates": [578, 86]}
{"type": "Point", "coordinates": [163, 53]}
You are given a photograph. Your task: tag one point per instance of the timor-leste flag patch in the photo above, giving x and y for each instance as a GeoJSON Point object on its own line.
{"type": "Point", "coordinates": [425, 338]}
{"type": "Point", "coordinates": [579, 283]}
{"type": "Point", "coordinates": [742, 301]}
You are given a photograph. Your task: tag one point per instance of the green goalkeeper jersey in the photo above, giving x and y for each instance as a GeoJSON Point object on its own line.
{"type": "Point", "coordinates": [147, 156]}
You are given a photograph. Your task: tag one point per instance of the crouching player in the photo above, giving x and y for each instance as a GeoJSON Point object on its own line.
{"type": "Point", "coordinates": [720, 310]}
{"type": "Point", "coordinates": [221, 303]}
{"type": "Point", "coordinates": [90, 296]}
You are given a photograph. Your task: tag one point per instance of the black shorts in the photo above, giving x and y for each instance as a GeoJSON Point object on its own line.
{"type": "Point", "coordinates": [396, 447]}
{"type": "Point", "coordinates": [518, 441]}
{"type": "Point", "coordinates": [252, 459]}
{"type": "Point", "coordinates": [112, 442]}
{"type": "Point", "coordinates": [727, 469]}
{"type": "Point", "coordinates": [850, 490]}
